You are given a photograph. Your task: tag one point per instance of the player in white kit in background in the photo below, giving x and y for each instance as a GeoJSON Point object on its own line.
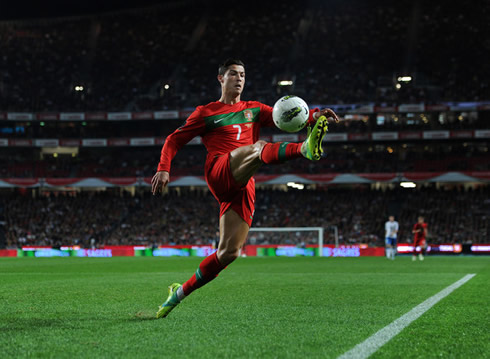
{"type": "Point", "coordinates": [391, 228]}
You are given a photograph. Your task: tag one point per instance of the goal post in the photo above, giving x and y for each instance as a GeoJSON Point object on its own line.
{"type": "Point", "coordinates": [320, 231]}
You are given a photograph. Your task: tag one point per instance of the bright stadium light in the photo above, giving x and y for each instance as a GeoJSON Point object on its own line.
{"type": "Point", "coordinates": [405, 78]}
{"type": "Point", "coordinates": [78, 88]}
{"type": "Point", "coordinates": [398, 86]}
{"type": "Point", "coordinates": [285, 83]}
{"type": "Point", "coordinates": [166, 86]}
{"type": "Point", "coordinates": [296, 185]}
{"type": "Point", "coordinates": [408, 184]}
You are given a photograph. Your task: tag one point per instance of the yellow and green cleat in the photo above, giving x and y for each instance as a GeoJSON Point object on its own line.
{"type": "Point", "coordinates": [171, 302]}
{"type": "Point", "coordinates": [312, 147]}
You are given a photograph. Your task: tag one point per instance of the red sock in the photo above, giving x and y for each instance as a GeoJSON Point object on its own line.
{"type": "Point", "coordinates": [207, 271]}
{"type": "Point", "coordinates": [280, 151]}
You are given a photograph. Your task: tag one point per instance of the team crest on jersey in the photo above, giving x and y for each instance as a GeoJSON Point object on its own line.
{"type": "Point", "coordinates": [248, 115]}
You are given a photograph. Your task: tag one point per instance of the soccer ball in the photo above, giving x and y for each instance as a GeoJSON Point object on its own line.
{"type": "Point", "coordinates": [290, 113]}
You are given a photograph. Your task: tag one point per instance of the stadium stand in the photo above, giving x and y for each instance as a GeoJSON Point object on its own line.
{"type": "Point", "coordinates": [190, 216]}
{"type": "Point", "coordinates": [122, 65]}
{"type": "Point", "coordinates": [340, 158]}
{"type": "Point", "coordinates": [62, 80]}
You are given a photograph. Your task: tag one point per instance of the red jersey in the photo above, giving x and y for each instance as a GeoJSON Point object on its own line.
{"type": "Point", "coordinates": [222, 128]}
{"type": "Point", "coordinates": [420, 235]}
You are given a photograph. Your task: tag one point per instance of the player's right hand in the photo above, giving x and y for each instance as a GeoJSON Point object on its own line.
{"type": "Point", "coordinates": [328, 113]}
{"type": "Point", "coordinates": [159, 182]}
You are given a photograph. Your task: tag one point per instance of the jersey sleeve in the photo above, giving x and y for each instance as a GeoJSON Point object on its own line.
{"type": "Point", "coordinates": [265, 116]}
{"type": "Point", "coordinates": [193, 126]}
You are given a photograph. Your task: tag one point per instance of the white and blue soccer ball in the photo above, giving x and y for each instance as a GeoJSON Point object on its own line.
{"type": "Point", "coordinates": [290, 113]}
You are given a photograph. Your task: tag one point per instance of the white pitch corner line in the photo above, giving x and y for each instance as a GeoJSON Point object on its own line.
{"type": "Point", "coordinates": [383, 336]}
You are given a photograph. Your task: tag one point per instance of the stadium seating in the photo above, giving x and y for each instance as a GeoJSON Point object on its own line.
{"type": "Point", "coordinates": [142, 161]}
{"type": "Point", "coordinates": [187, 216]}
{"type": "Point", "coordinates": [110, 62]}
{"type": "Point", "coordinates": [122, 65]}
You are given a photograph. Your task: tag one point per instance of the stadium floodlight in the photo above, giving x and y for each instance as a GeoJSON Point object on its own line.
{"type": "Point", "coordinates": [78, 88]}
{"type": "Point", "coordinates": [405, 78]}
{"type": "Point", "coordinates": [398, 86]}
{"type": "Point", "coordinates": [320, 231]}
{"type": "Point", "coordinates": [166, 86]}
{"type": "Point", "coordinates": [296, 185]}
{"type": "Point", "coordinates": [408, 184]}
{"type": "Point", "coordinates": [285, 83]}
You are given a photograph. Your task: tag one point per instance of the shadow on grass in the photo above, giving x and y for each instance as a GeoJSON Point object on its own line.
{"type": "Point", "coordinates": [33, 324]}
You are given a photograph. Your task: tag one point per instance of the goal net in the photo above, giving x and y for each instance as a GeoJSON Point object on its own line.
{"type": "Point", "coordinates": [286, 241]}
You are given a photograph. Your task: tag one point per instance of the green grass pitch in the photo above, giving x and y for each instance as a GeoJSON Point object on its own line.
{"type": "Point", "coordinates": [256, 308]}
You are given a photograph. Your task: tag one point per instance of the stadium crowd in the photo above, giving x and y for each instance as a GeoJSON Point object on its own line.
{"type": "Point", "coordinates": [166, 57]}
{"type": "Point", "coordinates": [122, 61]}
{"type": "Point", "coordinates": [190, 216]}
{"type": "Point", "coordinates": [340, 158]}
{"type": "Point", "coordinates": [364, 124]}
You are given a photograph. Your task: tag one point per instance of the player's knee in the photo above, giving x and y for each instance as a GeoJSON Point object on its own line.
{"type": "Point", "coordinates": [258, 147]}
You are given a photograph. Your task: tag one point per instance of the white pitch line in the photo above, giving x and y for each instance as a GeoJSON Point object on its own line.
{"type": "Point", "coordinates": [383, 336]}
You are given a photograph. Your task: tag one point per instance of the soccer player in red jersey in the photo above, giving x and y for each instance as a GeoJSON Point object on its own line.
{"type": "Point", "coordinates": [229, 129]}
{"type": "Point", "coordinates": [419, 234]}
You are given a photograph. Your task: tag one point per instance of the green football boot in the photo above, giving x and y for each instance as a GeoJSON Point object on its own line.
{"type": "Point", "coordinates": [312, 147]}
{"type": "Point", "coordinates": [171, 302]}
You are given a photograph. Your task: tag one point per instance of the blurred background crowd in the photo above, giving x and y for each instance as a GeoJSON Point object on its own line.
{"type": "Point", "coordinates": [167, 55]}
{"type": "Point", "coordinates": [190, 216]}
{"type": "Point", "coordinates": [339, 158]}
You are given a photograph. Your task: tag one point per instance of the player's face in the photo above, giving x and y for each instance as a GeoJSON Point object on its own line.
{"type": "Point", "coordinates": [233, 80]}
{"type": "Point", "coordinates": [421, 220]}
{"type": "Point", "coordinates": [391, 218]}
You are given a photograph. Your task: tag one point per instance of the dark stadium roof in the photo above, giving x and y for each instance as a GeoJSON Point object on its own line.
{"type": "Point", "coordinates": [18, 10]}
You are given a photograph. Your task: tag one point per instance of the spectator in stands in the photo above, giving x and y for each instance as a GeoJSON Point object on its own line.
{"type": "Point", "coordinates": [456, 216]}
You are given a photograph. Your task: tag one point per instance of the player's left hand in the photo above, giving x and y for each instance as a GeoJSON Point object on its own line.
{"type": "Point", "coordinates": [328, 113]}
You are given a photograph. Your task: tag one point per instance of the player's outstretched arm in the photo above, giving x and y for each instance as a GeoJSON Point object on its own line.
{"type": "Point", "coordinates": [159, 182]}
{"type": "Point", "coordinates": [193, 126]}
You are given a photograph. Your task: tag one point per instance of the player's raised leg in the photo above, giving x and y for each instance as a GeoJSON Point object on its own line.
{"type": "Point", "coordinates": [311, 148]}
{"type": "Point", "coordinates": [246, 160]}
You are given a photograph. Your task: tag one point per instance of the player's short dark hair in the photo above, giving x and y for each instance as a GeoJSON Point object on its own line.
{"type": "Point", "coordinates": [224, 66]}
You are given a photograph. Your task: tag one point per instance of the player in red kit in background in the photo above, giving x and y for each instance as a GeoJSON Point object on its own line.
{"type": "Point", "coordinates": [229, 129]}
{"type": "Point", "coordinates": [419, 235]}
